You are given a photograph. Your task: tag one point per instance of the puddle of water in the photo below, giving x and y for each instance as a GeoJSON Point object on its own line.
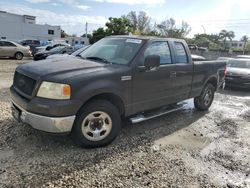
{"type": "Point", "coordinates": [184, 138]}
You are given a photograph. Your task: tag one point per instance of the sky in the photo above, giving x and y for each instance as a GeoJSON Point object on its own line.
{"type": "Point", "coordinates": [204, 16]}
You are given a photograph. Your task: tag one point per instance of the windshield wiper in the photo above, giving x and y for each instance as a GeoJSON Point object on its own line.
{"type": "Point", "coordinates": [98, 59]}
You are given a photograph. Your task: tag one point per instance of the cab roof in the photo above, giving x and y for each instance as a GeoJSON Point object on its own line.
{"type": "Point", "coordinates": [142, 37]}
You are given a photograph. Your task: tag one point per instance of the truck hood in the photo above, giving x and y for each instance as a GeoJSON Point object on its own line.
{"type": "Point", "coordinates": [57, 66]}
{"type": "Point", "coordinates": [237, 71]}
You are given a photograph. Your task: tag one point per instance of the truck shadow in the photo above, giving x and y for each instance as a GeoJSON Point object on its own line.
{"type": "Point", "coordinates": [60, 155]}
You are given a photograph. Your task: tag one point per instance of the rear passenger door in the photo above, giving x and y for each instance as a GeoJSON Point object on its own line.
{"type": "Point", "coordinates": [183, 71]}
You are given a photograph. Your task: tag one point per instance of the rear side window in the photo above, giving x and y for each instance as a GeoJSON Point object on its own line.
{"type": "Point", "coordinates": [161, 49]}
{"type": "Point", "coordinates": [36, 42]}
{"type": "Point", "coordinates": [8, 44]}
{"type": "Point", "coordinates": [181, 55]}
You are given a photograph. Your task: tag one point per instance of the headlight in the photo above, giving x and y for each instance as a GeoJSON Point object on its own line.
{"type": "Point", "coordinates": [54, 90]}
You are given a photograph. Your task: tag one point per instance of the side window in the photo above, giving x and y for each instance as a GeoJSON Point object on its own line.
{"type": "Point", "coordinates": [161, 49]}
{"type": "Point", "coordinates": [181, 55]}
{"type": "Point", "coordinates": [8, 44]}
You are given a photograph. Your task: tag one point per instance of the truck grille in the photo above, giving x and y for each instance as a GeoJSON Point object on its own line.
{"type": "Point", "coordinates": [24, 83]}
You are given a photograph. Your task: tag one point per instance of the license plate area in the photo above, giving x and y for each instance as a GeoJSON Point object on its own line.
{"type": "Point", "coordinates": [16, 112]}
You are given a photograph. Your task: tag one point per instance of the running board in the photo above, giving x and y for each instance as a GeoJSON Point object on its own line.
{"type": "Point", "coordinates": [146, 116]}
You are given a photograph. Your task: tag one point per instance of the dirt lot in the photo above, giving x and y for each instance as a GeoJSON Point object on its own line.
{"type": "Point", "coordinates": [187, 148]}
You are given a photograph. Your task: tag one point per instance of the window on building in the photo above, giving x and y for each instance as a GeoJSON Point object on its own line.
{"type": "Point", "coordinates": [76, 42]}
{"type": "Point", "coordinates": [51, 32]}
{"type": "Point", "coordinates": [240, 45]}
{"type": "Point", "coordinates": [234, 45]}
{"type": "Point", "coordinates": [3, 38]}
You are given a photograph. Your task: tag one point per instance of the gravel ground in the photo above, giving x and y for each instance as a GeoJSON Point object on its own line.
{"type": "Point", "coordinates": [187, 148]}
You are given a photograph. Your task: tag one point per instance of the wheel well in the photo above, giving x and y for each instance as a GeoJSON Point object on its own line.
{"type": "Point", "coordinates": [18, 52]}
{"type": "Point", "coordinates": [213, 81]}
{"type": "Point", "coordinates": [112, 98]}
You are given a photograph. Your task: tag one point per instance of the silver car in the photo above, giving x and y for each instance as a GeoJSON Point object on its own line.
{"type": "Point", "coordinates": [14, 50]}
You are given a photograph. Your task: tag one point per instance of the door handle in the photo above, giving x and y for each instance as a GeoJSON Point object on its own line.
{"type": "Point", "coordinates": [172, 74]}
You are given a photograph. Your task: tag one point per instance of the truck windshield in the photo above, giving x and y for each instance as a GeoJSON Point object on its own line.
{"type": "Point", "coordinates": [113, 50]}
{"type": "Point", "coordinates": [239, 64]}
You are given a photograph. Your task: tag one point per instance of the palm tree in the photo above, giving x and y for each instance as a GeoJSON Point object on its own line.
{"type": "Point", "coordinates": [224, 35]}
{"type": "Point", "coordinates": [245, 40]}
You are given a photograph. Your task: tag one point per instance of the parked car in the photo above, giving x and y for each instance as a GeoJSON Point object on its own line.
{"type": "Point", "coordinates": [238, 73]}
{"type": "Point", "coordinates": [74, 54]}
{"type": "Point", "coordinates": [197, 58]}
{"type": "Point", "coordinates": [50, 46]}
{"type": "Point", "coordinates": [31, 43]}
{"type": "Point", "coordinates": [224, 58]}
{"type": "Point", "coordinates": [118, 76]}
{"type": "Point", "coordinates": [56, 50]}
{"type": "Point", "coordinates": [13, 50]}
{"type": "Point", "coordinates": [243, 56]}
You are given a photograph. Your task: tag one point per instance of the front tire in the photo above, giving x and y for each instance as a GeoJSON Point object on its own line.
{"type": "Point", "coordinates": [18, 56]}
{"type": "Point", "coordinates": [97, 124]}
{"type": "Point", "coordinates": [204, 101]}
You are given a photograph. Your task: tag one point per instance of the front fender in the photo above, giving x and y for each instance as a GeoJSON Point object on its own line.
{"type": "Point", "coordinates": [95, 88]}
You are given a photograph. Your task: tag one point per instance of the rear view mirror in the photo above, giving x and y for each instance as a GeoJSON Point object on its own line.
{"type": "Point", "coordinates": [152, 61]}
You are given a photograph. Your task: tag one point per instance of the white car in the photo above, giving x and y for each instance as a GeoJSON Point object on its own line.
{"type": "Point", "coordinates": [74, 54]}
{"type": "Point", "coordinates": [50, 46]}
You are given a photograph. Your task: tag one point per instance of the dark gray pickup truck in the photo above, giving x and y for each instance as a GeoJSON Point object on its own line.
{"type": "Point", "coordinates": [117, 77]}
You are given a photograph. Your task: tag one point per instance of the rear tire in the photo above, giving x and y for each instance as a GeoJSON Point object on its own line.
{"type": "Point", "coordinates": [97, 124]}
{"type": "Point", "coordinates": [18, 56]}
{"type": "Point", "coordinates": [204, 101]}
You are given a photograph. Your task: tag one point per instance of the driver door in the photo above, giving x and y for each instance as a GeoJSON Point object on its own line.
{"type": "Point", "coordinates": [153, 88]}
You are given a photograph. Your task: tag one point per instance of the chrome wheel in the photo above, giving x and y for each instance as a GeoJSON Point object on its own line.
{"type": "Point", "coordinates": [208, 97]}
{"type": "Point", "coordinates": [96, 126]}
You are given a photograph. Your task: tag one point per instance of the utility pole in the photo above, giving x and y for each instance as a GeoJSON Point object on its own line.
{"type": "Point", "coordinates": [86, 28]}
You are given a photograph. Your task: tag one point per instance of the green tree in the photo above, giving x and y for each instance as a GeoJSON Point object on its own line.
{"type": "Point", "coordinates": [63, 34]}
{"type": "Point", "coordinates": [211, 41]}
{"type": "Point", "coordinates": [118, 26]}
{"type": "Point", "coordinates": [224, 35]}
{"type": "Point", "coordinates": [140, 23]}
{"type": "Point", "coordinates": [244, 39]}
{"type": "Point", "coordinates": [97, 35]}
{"type": "Point", "coordinates": [168, 28]}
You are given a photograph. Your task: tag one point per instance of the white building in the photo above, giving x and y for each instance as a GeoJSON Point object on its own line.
{"type": "Point", "coordinates": [235, 44]}
{"type": "Point", "coordinates": [74, 41]}
{"type": "Point", "coordinates": [17, 27]}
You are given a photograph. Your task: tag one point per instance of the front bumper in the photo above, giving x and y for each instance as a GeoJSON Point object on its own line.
{"type": "Point", "coordinates": [43, 123]}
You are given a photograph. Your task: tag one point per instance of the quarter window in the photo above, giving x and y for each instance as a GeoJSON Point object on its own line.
{"type": "Point", "coordinates": [181, 55]}
{"type": "Point", "coordinates": [161, 49]}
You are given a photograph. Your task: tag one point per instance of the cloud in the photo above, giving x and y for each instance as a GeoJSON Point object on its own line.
{"type": "Point", "coordinates": [134, 2]}
{"type": "Point", "coordinates": [38, 1]}
{"type": "Point", "coordinates": [69, 2]}
{"type": "Point", "coordinates": [72, 24]}
{"type": "Point", "coordinates": [73, 3]}
{"type": "Point", "coordinates": [82, 7]}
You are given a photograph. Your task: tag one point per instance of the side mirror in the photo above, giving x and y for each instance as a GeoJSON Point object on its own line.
{"type": "Point", "coordinates": [152, 61]}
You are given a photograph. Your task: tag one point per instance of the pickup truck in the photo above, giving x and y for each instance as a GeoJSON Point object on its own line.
{"type": "Point", "coordinates": [117, 77]}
